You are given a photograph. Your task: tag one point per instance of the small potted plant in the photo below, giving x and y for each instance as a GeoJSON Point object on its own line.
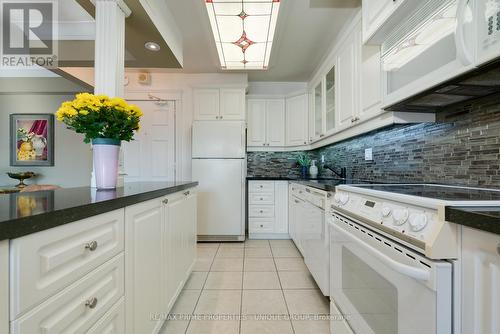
{"type": "Point", "coordinates": [304, 162]}
{"type": "Point", "coordinates": [104, 122]}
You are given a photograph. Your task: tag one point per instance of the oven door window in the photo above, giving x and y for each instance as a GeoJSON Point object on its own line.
{"type": "Point", "coordinates": [375, 297]}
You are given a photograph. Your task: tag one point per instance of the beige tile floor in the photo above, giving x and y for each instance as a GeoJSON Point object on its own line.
{"type": "Point", "coordinates": [256, 287]}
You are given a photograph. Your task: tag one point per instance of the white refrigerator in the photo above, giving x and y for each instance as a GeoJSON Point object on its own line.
{"type": "Point", "coordinates": [219, 165]}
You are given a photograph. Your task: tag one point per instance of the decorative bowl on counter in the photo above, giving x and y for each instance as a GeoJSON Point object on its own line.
{"type": "Point", "coordinates": [21, 176]}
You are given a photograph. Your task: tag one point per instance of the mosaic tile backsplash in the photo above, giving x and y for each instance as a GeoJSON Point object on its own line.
{"type": "Point", "coordinates": [461, 148]}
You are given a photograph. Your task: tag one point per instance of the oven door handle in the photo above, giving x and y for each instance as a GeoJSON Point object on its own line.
{"type": "Point", "coordinates": [404, 269]}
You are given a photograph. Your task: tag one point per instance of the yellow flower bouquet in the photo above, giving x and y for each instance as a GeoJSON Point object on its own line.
{"type": "Point", "coordinates": [105, 122]}
{"type": "Point", "coordinates": [99, 116]}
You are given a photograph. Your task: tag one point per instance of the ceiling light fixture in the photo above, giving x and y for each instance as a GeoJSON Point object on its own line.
{"type": "Point", "coordinates": [243, 31]}
{"type": "Point", "coordinates": [152, 46]}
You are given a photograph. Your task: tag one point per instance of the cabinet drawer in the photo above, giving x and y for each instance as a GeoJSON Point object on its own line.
{"type": "Point", "coordinates": [68, 311]}
{"type": "Point", "coordinates": [46, 262]}
{"type": "Point", "coordinates": [261, 211]}
{"type": "Point", "coordinates": [258, 225]}
{"type": "Point", "coordinates": [261, 198]}
{"type": "Point", "coordinates": [113, 322]}
{"type": "Point", "coordinates": [261, 186]}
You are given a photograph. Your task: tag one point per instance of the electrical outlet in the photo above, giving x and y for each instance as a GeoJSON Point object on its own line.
{"type": "Point", "coordinates": [368, 154]}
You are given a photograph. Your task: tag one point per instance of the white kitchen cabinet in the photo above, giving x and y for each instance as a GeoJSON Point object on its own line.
{"type": "Point", "coordinates": [275, 123]}
{"type": "Point", "coordinates": [330, 100]}
{"type": "Point", "coordinates": [266, 123]}
{"type": "Point", "coordinates": [144, 263]}
{"type": "Point", "coordinates": [78, 307]}
{"type": "Point", "coordinates": [297, 120]}
{"type": "Point", "coordinates": [232, 104]}
{"type": "Point", "coordinates": [160, 253]}
{"type": "Point", "coordinates": [480, 282]}
{"type": "Point", "coordinates": [256, 134]}
{"type": "Point", "coordinates": [206, 104]}
{"type": "Point", "coordinates": [370, 82]}
{"type": "Point", "coordinates": [211, 104]}
{"type": "Point", "coordinates": [318, 110]}
{"type": "Point", "coordinates": [347, 85]}
{"type": "Point", "coordinates": [268, 210]}
{"type": "Point", "coordinates": [113, 322]}
{"type": "Point", "coordinates": [4, 286]}
{"type": "Point", "coordinates": [51, 260]}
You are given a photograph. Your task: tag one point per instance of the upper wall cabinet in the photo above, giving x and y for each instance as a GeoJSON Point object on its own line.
{"type": "Point", "coordinates": [266, 123]}
{"type": "Point", "coordinates": [211, 104]}
{"type": "Point", "coordinates": [297, 120]}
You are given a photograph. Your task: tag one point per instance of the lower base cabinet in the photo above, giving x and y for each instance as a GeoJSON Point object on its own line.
{"type": "Point", "coordinates": [160, 250]}
{"type": "Point", "coordinates": [480, 282]}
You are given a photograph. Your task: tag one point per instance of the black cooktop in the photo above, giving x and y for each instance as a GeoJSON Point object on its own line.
{"type": "Point", "coordinates": [439, 192]}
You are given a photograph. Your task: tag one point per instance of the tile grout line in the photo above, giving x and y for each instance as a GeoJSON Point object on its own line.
{"type": "Point", "coordinates": [242, 280]}
{"type": "Point", "coordinates": [282, 292]}
{"type": "Point", "coordinates": [201, 291]}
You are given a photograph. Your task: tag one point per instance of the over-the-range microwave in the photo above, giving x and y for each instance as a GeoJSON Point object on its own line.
{"type": "Point", "coordinates": [439, 42]}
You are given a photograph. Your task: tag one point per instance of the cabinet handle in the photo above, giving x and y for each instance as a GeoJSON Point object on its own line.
{"type": "Point", "coordinates": [261, 186]}
{"type": "Point", "coordinates": [261, 211]}
{"type": "Point", "coordinates": [305, 142]}
{"type": "Point", "coordinates": [187, 193]}
{"type": "Point", "coordinates": [91, 246]}
{"type": "Point", "coordinates": [261, 225]}
{"type": "Point", "coordinates": [91, 303]}
{"type": "Point", "coordinates": [297, 202]}
{"type": "Point", "coordinates": [261, 199]}
{"type": "Point", "coordinates": [264, 144]}
{"type": "Point", "coordinates": [165, 201]}
{"type": "Point", "coordinates": [321, 135]}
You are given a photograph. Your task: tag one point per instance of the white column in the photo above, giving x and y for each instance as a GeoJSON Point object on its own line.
{"type": "Point", "coordinates": [109, 67]}
{"type": "Point", "coordinates": [109, 63]}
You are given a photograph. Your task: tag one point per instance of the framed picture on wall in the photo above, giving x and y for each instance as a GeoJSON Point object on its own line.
{"type": "Point", "coordinates": [32, 140]}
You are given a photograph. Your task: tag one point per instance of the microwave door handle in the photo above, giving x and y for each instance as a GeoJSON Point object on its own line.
{"type": "Point", "coordinates": [462, 51]}
{"type": "Point", "coordinates": [415, 273]}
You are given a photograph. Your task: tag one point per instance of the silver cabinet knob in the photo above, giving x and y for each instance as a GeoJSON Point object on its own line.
{"type": "Point", "coordinates": [261, 225]}
{"type": "Point", "coordinates": [165, 201]}
{"type": "Point", "coordinates": [91, 246]}
{"type": "Point", "coordinates": [221, 117]}
{"type": "Point", "coordinates": [91, 303]}
{"type": "Point", "coordinates": [261, 211]}
{"type": "Point", "coordinates": [261, 186]}
{"type": "Point", "coordinates": [261, 199]}
{"type": "Point", "coordinates": [186, 193]}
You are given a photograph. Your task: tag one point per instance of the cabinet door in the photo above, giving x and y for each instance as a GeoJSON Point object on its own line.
{"type": "Point", "coordinates": [347, 67]}
{"type": "Point", "coordinates": [232, 104]}
{"type": "Point", "coordinates": [480, 282]}
{"type": "Point", "coordinates": [281, 207]}
{"type": "Point", "coordinates": [296, 120]}
{"type": "Point", "coordinates": [144, 265]}
{"type": "Point", "coordinates": [275, 123]}
{"type": "Point", "coordinates": [370, 82]}
{"type": "Point", "coordinates": [256, 135]}
{"type": "Point", "coordinates": [318, 106]}
{"type": "Point", "coordinates": [330, 100]}
{"type": "Point", "coordinates": [206, 104]}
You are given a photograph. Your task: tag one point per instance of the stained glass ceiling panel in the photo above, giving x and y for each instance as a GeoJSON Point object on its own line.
{"type": "Point", "coordinates": [243, 31]}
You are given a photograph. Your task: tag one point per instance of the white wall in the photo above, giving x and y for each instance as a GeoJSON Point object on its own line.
{"type": "Point", "coordinates": [73, 158]}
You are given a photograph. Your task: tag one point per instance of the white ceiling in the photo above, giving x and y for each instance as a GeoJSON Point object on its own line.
{"type": "Point", "coordinates": [304, 33]}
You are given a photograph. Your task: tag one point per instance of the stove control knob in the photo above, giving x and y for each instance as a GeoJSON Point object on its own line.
{"type": "Point", "coordinates": [418, 221]}
{"type": "Point", "coordinates": [400, 216]}
{"type": "Point", "coordinates": [336, 198]}
{"type": "Point", "coordinates": [344, 198]}
{"type": "Point", "coordinates": [386, 211]}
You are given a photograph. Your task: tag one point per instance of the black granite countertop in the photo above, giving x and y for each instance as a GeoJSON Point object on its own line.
{"type": "Point", "coordinates": [485, 218]}
{"type": "Point", "coordinates": [25, 213]}
{"type": "Point", "coordinates": [326, 184]}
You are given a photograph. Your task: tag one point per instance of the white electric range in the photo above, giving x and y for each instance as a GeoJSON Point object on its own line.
{"type": "Point", "coordinates": [393, 254]}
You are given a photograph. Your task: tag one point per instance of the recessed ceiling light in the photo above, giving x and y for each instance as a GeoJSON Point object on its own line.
{"type": "Point", "coordinates": [152, 46]}
{"type": "Point", "coordinates": [243, 31]}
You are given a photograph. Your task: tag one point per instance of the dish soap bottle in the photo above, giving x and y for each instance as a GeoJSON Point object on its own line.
{"type": "Point", "coordinates": [313, 170]}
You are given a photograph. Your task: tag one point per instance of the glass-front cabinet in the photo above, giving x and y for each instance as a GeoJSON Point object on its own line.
{"type": "Point", "coordinates": [318, 110]}
{"type": "Point", "coordinates": [330, 100]}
